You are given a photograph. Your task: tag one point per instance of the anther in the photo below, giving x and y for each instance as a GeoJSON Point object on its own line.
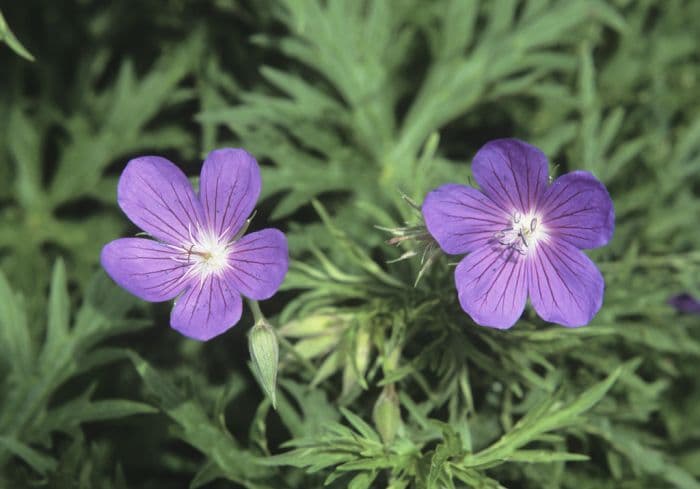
{"type": "Point", "coordinates": [523, 239]}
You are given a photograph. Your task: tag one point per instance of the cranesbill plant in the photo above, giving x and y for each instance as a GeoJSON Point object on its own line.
{"type": "Point", "coordinates": [199, 255]}
{"type": "Point", "coordinates": [524, 237]}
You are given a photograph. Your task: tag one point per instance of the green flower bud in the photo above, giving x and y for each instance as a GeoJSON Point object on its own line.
{"type": "Point", "coordinates": [387, 414]}
{"type": "Point", "coordinates": [264, 352]}
{"type": "Point", "coordinates": [356, 364]}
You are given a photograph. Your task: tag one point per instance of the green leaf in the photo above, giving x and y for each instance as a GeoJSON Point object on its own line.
{"type": "Point", "coordinates": [197, 428]}
{"type": "Point", "coordinates": [361, 426]}
{"type": "Point", "coordinates": [362, 480]}
{"type": "Point", "coordinates": [545, 456]}
{"type": "Point", "coordinates": [644, 458]}
{"type": "Point", "coordinates": [9, 38]}
{"type": "Point", "coordinates": [30, 412]}
{"type": "Point", "coordinates": [15, 342]}
{"type": "Point", "coordinates": [36, 460]}
{"type": "Point", "coordinates": [549, 415]}
{"type": "Point", "coordinates": [122, 114]}
{"type": "Point", "coordinates": [68, 416]}
{"type": "Point", "coordinates": [58, 314]}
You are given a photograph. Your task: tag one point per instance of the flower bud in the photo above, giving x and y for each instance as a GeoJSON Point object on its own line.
{"type": "Point", "coordinates": [418, 240]}
{"type": "Point", "coordinates": [387, 414]}
{"type": "Point", "coordinates": [264, 353]}
{"type": "Point", "coordinates": [356, 365]}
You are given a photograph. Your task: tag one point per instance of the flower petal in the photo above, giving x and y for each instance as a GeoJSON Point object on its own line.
{"type": "Point", "coordinates": [492, 286]}
{"type": "Point", "coordinates": [512, 173]}
{"type": "Point", "coordinates": [577, 209]}
{"type": "Point", "coordinates": [259, 262]}
{"type": "Point", "coordinates": [565, 286]}
{"type": "Point", "coordinates": [146, 268]}
{"type": "Point", "coordinates": [229, 188]}
{"type": "Point", "coordinates": [207, 309]}
{"type": "Point", "coordinates": [462, 219]}
{"type": "Point", "coordinates": [157, 197]}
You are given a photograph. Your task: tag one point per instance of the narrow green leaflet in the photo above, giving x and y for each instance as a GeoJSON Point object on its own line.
{"type": "Point", "coordinates": [41, 362]}
{"type": "Point", "coordinates": [9, 38]}
{"type": "Point", "coordinates": [198, 428]}
{"type": "Point", "coordinates": [548, 416]}
{"type": "Point", "coordinates": [36, 460]}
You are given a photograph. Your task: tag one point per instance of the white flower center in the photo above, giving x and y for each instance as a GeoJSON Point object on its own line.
{"type": "Point", "coordinates": [524, 233]}
{"type": "Point", "coordinates": [209, 254]}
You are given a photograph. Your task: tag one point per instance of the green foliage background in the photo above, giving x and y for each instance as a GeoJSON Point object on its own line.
{"type": "Point", "coordinates": [345, 103]}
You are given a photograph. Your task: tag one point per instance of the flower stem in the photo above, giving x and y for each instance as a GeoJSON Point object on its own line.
{"type": "Point", "coordinates": [255, 309]}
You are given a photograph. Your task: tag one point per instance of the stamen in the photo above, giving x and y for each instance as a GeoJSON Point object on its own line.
{"type": "Point", "coordinates": [189, 232]}
{"type": "Point", "coordinates": [524, 240]}
{"type": "Point", "coordinates": [522, 235]}
{"type": "Point", "coordinates": [207, 253]}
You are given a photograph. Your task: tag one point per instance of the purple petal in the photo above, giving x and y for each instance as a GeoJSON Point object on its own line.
{"type": "Point", "coordinates": [229, 188]}
{"type": "Point", "coordinates": [462, 219]}
{"type": "Point", "coordinates": [259, 262]}
{"type": "Point", "coordinates": [150, 270]}
{"type": "Point", "coordinates": [492, 286]}
{"type": "Point", "coordinates": [207, 309]}
{"type": "Point", "coordinates": [565, 286]}
{"type": "Point", "coordinates": [577, 209]}
{"type": "Point", "coordinates": [157, 197]}
{"type": "Point", "coordinates": [512, 173]}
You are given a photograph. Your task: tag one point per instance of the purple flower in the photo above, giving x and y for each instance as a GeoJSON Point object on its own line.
{"type": "Point", "coordinates": [198, 256]}
{"type": "Point", "coordinates": [685, 303]}
{"type": "Point", "coordinates": [523, 237]}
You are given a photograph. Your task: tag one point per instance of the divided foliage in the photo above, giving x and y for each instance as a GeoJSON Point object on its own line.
{"type": "Point", "coordinates": [39, 360]}
{"type": "Point", "coordinates": [354, 108]}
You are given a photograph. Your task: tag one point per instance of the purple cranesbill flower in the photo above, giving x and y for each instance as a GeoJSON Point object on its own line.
{"type": "Point", "coordinates": [198, 255]}
{"type": "Point", "coordinates": [524, 237]}
{"type": "Point", "coordinates": [685, 303]}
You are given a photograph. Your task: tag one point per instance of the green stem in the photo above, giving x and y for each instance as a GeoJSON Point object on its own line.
{"type": "Point", "coordinates": [255, 309]}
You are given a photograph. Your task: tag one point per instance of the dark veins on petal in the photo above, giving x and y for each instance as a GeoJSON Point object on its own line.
{"type": "Point", "coordinates": [508, 162]}
{"type": "Point", "coordinates": [169, 285]}
{"type": "Point", "coordinates": [178, 235]}
{"type": "Point", "coordinates": [191, 218]}
{"type": "Point", "coordinates": [558, 256]}
{"type": "Point", "coordinates": [504, 191]}
{"type": "Point", "coordinates": [484, 206]}
{"type": "Point", "coordinates": [220, 225]}
{"type": "Point", "coordinates": [486, 294]}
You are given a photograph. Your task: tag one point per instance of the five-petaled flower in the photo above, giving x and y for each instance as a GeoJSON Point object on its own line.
{"type": "Point", "coordinates": [199, 256]}
{"type": "Point", "coordinates": [523, 237]}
